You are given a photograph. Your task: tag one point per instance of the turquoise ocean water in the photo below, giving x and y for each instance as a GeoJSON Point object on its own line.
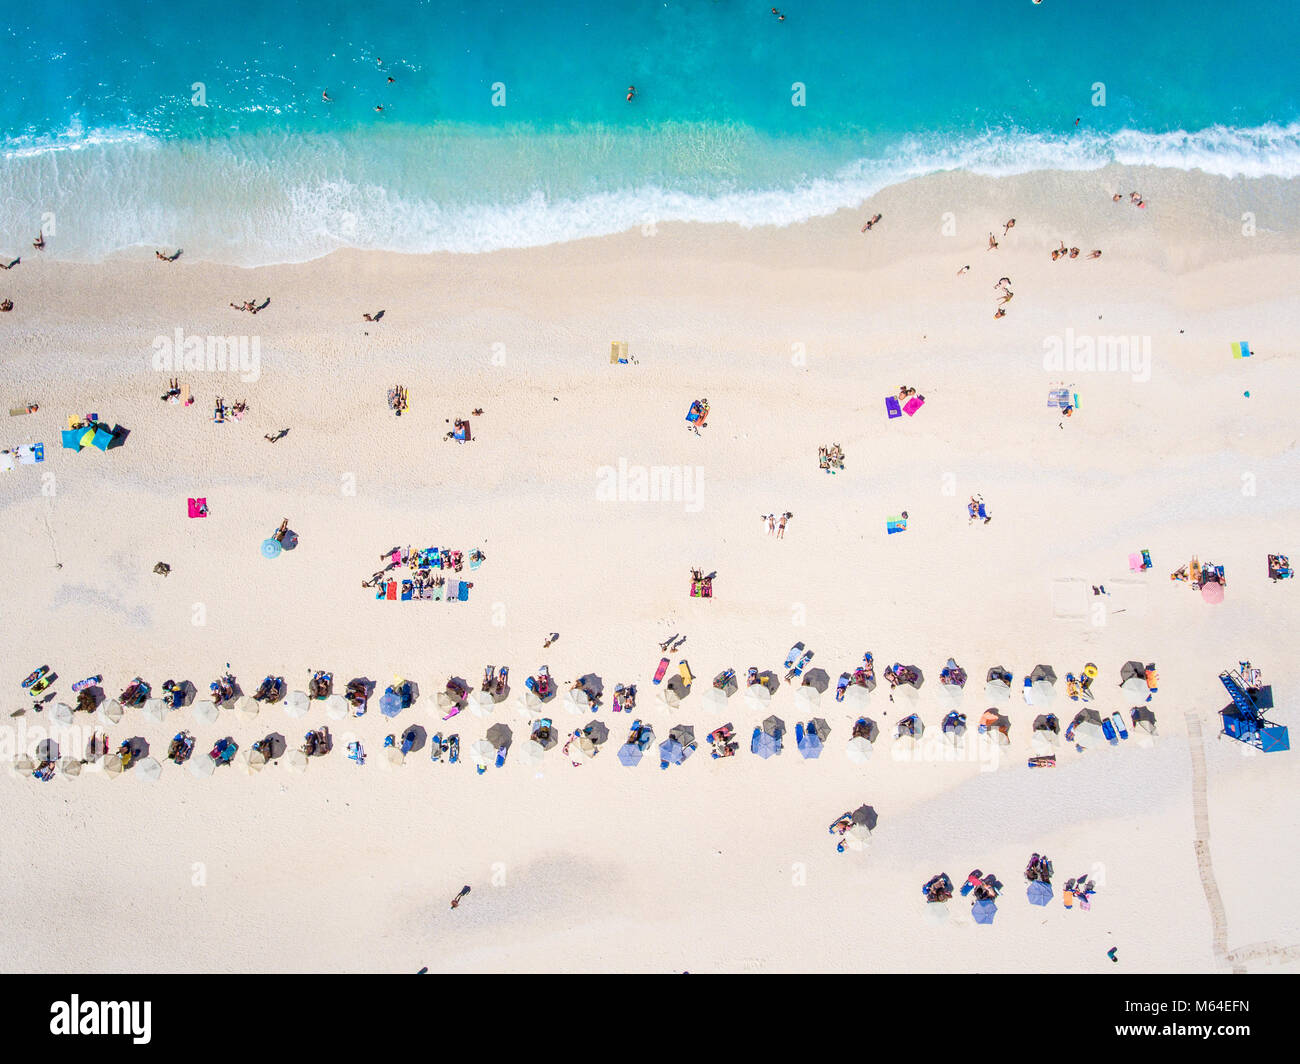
{"type": "Point", "coordinates": [203, 125]}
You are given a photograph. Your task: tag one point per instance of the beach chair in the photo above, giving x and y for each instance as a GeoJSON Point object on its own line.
{"type": "Point", "coordinates": [892, 409]}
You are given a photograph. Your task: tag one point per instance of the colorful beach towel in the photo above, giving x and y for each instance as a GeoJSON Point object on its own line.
{"type": "Point", "coordinates": [198, 507]}
{"type": "Point", "coordinates": [892, 408]}
{"type": "Point", "coordinates": [896, 524]}
{"type": "Point", "coordinates": [1241, 349]}
{"type": "Point", "coordinates": [913, 405]}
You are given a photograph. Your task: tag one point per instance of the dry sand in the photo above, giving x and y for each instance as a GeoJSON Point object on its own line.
{"type": "Point", "coordinates": [795, 336]}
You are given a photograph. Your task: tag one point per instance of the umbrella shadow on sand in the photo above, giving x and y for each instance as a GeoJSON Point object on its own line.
{"type": "Point", "coordinates": [818, 678]}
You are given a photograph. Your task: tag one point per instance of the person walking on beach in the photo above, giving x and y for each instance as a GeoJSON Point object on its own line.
{"type": "Point", "coordinates": [780, 529]}
{"type": "Point", "coordinates": [993, 243]}
{"type": "Point", "coordinates": [456, 900]}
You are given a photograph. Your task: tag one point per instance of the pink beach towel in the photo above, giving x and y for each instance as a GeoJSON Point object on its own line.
{"type": "Point", "coordinates": [913, 405]}
{"type": "Point", "coordinates": [198, 507]}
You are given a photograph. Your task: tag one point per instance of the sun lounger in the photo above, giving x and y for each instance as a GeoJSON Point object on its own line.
{"type": "Point", "coordinates": [892, 408]}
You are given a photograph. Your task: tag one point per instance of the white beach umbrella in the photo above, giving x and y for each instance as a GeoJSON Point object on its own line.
{"type": "Point", "coordinates": [531, 753]}
{"type": "Point", "coordinates": [757, 697]}
{"type": "Point", "coordinates": [1135, 686]}
{"type": "Point", "coordinates": [807, 699]}
{"type": "Point", "coordinates": [907, 693]}
{"type": "Point", "coordinates": [1042, 743]}
{"type": "Point", "coordinates": [950, 695]}
{"type": "Point", "coordinates": [249, 761]}
{"type": "Point", "coordinates": [996, 691]}
{"type": "Point", "coordinates": [859, 750]}
{"type": "Point", "coordinates": [111, 764]}
{"type": "Point", "coordinates": [154, 709]}
{"type": "Point", "coordinates": [481, 703]}
{"type": "Point", "coordinates": [70, 768]}
{"type": "Point", "coordinates": [296, 704]}
{"type": "Point", "coordinates": [576, 701]}
{"type": "Point", "coordinates": [148, 769]}
{"type": "Point", "coordinates": [394, 755]}
{"type": "Point", "coordinates": [201, 766]}
{"type": "Point", "coordinates": [582, 745]}
{"type": "Point", "coordinates": [1088, 733]}
{"type": "Point", "coordinates": [246, 707]}
{"type": "Point", "coordinates": [297, 761]}
{"type": "Point", "coordinates": [669, 697]}
{"type": "Point", "coordinates": [482, 752]}
{"type": "Point", "coordinates": [856, 697]}
{"type": "Point", "coordinates": [858, 837]}
{"type": "Point", "coordinates": [1044, 692]}
{"type": "Point", "coordinates": [527, 704]}
{"type": "Point", "coordinates": [937, 912]}
{"type": "Point", "coordinates": [204, 712]}
{"type": "Point", "coordinates": [337, 707]}
{"type": "Point", "coordinates": [23, 765]}
{"type": "Point", "coordinates": [110, 710]}
{"type": "Point", "coordinates": [61, 713]}
{"type": "Point", "coordinates": [715, 699]}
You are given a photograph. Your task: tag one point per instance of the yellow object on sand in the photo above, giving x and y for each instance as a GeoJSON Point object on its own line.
{"type": "Point", "coordinates": [617, 350]}
{"type": "Point", "coordinates": [1090, 671]}
{"type": "Point", "coordinates": [87, 436]}
{"type": "Point", "coordinates": [684, 671]}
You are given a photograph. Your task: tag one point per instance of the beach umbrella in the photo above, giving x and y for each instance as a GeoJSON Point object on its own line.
{"type": "Point", "coordinates": [810, 744]}
{"type": "Point", "coordinates": [937, 912]}
{"type": "Point", "coordinates": [715, 699]}
{"type": "Point", "coordinates": [584, 746]}
{"type": "Point", "coordinates": [671, 751]}
{"type": "Point", "coordinates": [630, 755]}
{"type": "Point", "coordinates": [297, 760]}
{"type": "Point", "coordinates": [391, 703]}
{"type": "Point", "coordinates": [111, 765]}
{"type": "Point", "coordinates": [481, 703]}
{"type": "Point", "coordinates": [1044, 692]}
{"type": "Point", "coordinates": [205, 712]}
{"type": "Point", "coordinates": [70, 767]}
{"type": "Point", "coordinates": [527, 704]}
{"type": "Point", "coordinates": [577, 701]}
{"type": "Point", "coordinates": [247, 707]}
{"type": "Point", "coordinates": [394, 755]}
{"type": "Point", "coordinates": [111, 710]}
{"type": "Point", "coordinates": [1043, 672]}
{"type": "Point", "coordinates": [757, 697]}
{"type": "Point", "coordinates": [204, 766]}
{"type": "Point", "coordinates": [1088, 733]}
{"type": "Point", "coordinates": [447, 700]}
{"type": "Point", "coordinates": [248, 761]}
{"type": "Point", "coordinates": [47, 750]}
{"type": "Point", "coordinates": [859, 750]}
{"type": "Point", "coordinates": [1039, 893]}
{"type": "Point", "coordinates": [61, 713]}
{"type": "Point", "coordinates": [858, 837]}
{"type": "Point", "coordinates": [774, 725]}
{"type": "Point", "coordinates": [764, 745]}
{"type": "Point", "coordinates": [271, 548]}
{"type": "Point", "coordinates": [856, 698]}
{"type": "Point", "coordinates": [670, 697]}
{"type": "Point", "coordinates": [907, 692]}
{"type": "Point", "coordinates": [23, 765]}
{"type": "Point", "coordinates": [1212, 591]}
{"type": "Point", "coordinates": [154, 709]}
{"type": "Point", "coordinates": [997, 690]}
{"type": "Point", "coordinates": [807, 699]}
{"type": "Point", "coordinates": [148, 769]}
{"type": "Point", "coordinates": [1135, 686]}
{"type": "Point", "coordinates": [983, 911]}
{"type": "Point", "coordinates": [296, 704]}
{"type": "Point", "coordinates": [1042, 742]}
{"type": "Point", "coordinates": [531, 752]}
{"type": "Point", "coordinates": [337, 707]}
{"type": "Point", "coordinates": [482, 752]}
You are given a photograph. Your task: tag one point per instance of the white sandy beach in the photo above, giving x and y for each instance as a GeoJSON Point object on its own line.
{"type": "Point", "coordinates": [795, 336]}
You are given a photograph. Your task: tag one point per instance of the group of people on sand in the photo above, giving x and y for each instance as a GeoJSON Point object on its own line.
{"type": "Point", "coordinates": [6, 305]}
{"type": "Point", "coordinates": [830, 459]}
{"type": "Point", "coordinates": [220, 411]}
{"type": "Point", "coordinates": [1073, 253]}
{"type": "Point", "coordinates": [1133, 198]}
{"type": "Point", "coordinates": [1007, 226]}
{"type": "Point", "coordinates": [775, 525]}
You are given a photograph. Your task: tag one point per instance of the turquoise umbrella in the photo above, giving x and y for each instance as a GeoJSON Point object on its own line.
{"type": "Point", "coordinates": [270, 548]}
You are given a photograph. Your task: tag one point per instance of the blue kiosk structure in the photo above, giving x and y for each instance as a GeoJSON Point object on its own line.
{"type": "Point", "coordinates": [1244, 719]}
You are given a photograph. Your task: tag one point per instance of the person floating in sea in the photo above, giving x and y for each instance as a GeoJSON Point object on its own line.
{"type": "Point", "coordinates": [168, 258]}
{"type": "Point", "coordinates": [631, 93]}
{"type": "Point", "coordinates": [39, 242]}
{"type": "Point", "coordinates": [325, 96]}
{"type": "Point", "coordinates": [779, 17]}
{"type": "Point", "coordinates": [379, 108]}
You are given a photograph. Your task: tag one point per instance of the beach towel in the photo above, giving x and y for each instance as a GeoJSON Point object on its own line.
{"type": "Point", "coordinates": [1058, 397]}
{"type": "Point", "coordinates": [31, 453]}
{"type": "Point", "coordinates": [390, 592]}
{"type": "Point", "coordinates": [1241, 349]}
{"type": "Point", "coordinates": [892, 408]}
{"type": "Point", "coordinates": [896, 524]}
{"type": "Point", "coordinates": [408, 589]}
{"type": "Point", "coordinates": [1135, 563]}
{"type": "Point", "coordinates": [913, 405]}
{"type": "Point", "coordinates": [102, 438]}
{"type": "Point", "coordinates": [71, 439]}
{"type": "Point", "coordinates": [462, 592]}
{"type": "Point", "coordinates": [198, 507]}
{"type": "Point", "coordinates": [618, 351]}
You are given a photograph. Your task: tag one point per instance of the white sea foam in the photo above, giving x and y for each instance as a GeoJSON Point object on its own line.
{"type": "Point", "coordinates": [275, 198]}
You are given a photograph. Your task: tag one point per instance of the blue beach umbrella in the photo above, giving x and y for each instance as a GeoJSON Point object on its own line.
{"type": "Point", "coordinates": [764, 745]}
{"type": "Point", "coordinates": [390, 705]}
{"type": "Point", "coordinates": [984, 911]}
{"type": "Point", "coordinates": [1039, 893]}
{"type": "Point", "coordinates": [670, 750]}
{"type": "Point", "coordinates": [630, 754]}
{"type": "Point", "coordinates": [809, 745]}
{"type": "Point", "coordinates": [270, 548]}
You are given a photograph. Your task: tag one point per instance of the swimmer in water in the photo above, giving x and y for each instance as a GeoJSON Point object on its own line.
{"type": "Point", "coordinates": [39, 242]}
{"type": "Point", "coordinates": [391, 80]}
{"type": "Point", "coordinates": [379, 107]}
{"type": "Point", "coordinates": [325, 96]}
{"type": "Point", "coordinates": [631, 92]}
